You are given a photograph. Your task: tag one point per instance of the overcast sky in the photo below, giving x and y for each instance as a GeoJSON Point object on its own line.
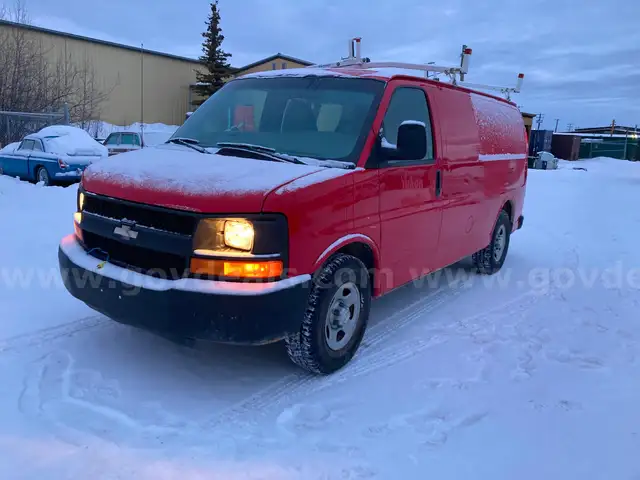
{"type": "Point", "coordinates": [581, 58]}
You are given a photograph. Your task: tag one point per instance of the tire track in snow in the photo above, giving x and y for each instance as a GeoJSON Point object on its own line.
{"type": "Point", "coordinates": [280, 391]}
{"type": "Point", "coordinates": [429, 336]}
{"type": "Point", "coordinates": [370, 361]}
{"type": "Point", "coordinates": [50, 334]}
{"type": "Point", "coordinates": [81, 404]}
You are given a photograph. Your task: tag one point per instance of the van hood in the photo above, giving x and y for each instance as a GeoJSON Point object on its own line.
{"type": "Point", "coordinates": [173, 176]}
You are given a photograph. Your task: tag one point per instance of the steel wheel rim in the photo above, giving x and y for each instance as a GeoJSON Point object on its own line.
{"type": "Point", "coordinates": [343, 315]}
{"type": "Point", "coordinates": [500, 243]}
{"type": "Point", "coordinates": [42, 175]}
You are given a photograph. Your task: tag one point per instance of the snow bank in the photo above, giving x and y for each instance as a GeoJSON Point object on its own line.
{"type": "Point", "coordinates": [72, 141]}
{"type": "Point", "coordinates": [34, 219]}
{"type": "Point", "coordinates": [154, 133]}
{"type": "Point", "coordinates": [155, 138]}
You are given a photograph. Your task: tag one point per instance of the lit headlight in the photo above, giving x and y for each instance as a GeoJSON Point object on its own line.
{"type": "Point", "coordinates": [80, 201]}
{"type": "Point", "coordinates": [238, 234]}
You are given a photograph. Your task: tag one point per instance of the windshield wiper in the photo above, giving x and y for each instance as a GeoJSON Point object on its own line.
{"type": "Point", "coordinates": [285, 157]}
{"type": "Point", "coordinates": [188, 142]}
{"type": "Point", "coordinates": [266, 152]}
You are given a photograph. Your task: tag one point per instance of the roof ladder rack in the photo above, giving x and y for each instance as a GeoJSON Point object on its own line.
{"type": "Point", "coordinates": [354, 59]}
{"type": "Point", "coordinates": [507, 91]}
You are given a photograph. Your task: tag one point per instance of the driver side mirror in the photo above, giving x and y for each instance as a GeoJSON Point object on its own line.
{"type": "Point", "coordinates": [412, 142]}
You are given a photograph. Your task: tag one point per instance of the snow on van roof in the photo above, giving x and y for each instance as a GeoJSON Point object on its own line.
{"type": "Point", "coordinates": [385, 73]}
{"type": "Point", "coordinates": [299, 72]}
{"type": "Point", "coordinates": [352, 71]}
{"type": "Point", "coordinates": [378, 73]}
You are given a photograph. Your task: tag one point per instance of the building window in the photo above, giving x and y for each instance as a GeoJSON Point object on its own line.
{"type": "Point", "coordinates": [273, 66]}
{"type": "Point", "coordinates": [284, 65]}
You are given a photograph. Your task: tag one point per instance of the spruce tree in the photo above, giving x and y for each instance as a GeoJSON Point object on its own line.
{"type": "Point", "coordinates": [214, 59]}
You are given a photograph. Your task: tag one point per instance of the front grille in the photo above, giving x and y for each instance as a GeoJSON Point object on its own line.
{"type": "Point", "coordinates": [170, 221]}
{"type": "Point", "coordinates": [157, 264]}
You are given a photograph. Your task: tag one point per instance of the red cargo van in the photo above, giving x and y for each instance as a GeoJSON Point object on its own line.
{"type": "Point", "coordinates": [290, 199]}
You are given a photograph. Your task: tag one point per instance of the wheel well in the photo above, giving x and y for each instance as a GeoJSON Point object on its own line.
{"type": "Point", "coordinates": [35, 170]}
{"type": "Point", "coordinates": [364, 253]}
{"type": "Point", "coordinates": [508, 207]}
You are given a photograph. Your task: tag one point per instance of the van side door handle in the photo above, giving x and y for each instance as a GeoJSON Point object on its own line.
{"type": "Point", "coordinates": [438, 182]}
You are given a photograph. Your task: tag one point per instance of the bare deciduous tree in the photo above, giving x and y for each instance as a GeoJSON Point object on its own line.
{"type": "Point", "coordinates": [37, 78]}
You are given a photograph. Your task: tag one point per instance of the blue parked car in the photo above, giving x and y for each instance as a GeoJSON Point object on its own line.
{"type": "Point", "coordinates": [56, 154]}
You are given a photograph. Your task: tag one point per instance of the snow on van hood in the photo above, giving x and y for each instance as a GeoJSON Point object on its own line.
{"type": "Point", "coordinates": [173, 176]}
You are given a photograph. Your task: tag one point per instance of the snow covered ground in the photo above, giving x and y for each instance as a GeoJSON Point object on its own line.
{"type": "Point", "coordinates": [530, 374]}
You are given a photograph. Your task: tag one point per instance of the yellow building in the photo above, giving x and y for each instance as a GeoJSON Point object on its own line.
{"type": "Point", "coordinates": [141, 84]}
{"type": "Point", "coordinates": [274, 62]}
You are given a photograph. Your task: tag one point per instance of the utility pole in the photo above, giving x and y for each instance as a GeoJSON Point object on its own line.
{"type": "Point", "coordinates": [569, 127]}
{"type": "Point", "coordinates": [613, 126]}
{"type": "Point", "coordinates": [540, 119]}
{"type": "Point", "coordinates": [557, 120]}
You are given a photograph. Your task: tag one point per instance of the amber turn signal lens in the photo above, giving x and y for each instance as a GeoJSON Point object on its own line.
{"type": "Point", "coordinates": [236, 269]}
{"type": "Point", "coordinates": [77, 220]}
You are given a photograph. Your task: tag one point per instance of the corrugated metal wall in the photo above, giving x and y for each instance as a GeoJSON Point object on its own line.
{"type": "Point", "coordinates": [566, 147]}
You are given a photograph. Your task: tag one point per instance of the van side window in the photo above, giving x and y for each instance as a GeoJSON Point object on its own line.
{"type": "Point", "coordinates": [407, 103]}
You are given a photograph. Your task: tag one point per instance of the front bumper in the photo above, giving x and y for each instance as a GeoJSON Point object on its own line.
{"type": "Point", "coordinates": [187, 308]}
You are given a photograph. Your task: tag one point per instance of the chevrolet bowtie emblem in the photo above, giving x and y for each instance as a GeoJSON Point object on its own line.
{"type": "Point", "coordinates": [125, 231]}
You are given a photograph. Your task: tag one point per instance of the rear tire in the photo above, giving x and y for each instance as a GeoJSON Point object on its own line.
{"type": "Point", "coordinates": [42, 176]}
{"type": "Point", "coordinates": [335, 318]}
{"type": "Point", "coordinates": [490, 259]}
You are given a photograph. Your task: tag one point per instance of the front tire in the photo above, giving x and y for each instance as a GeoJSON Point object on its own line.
{"type": "Point", "coordinates": [490, 259]}
{"type": "Point", "coordinates": [335, 318]}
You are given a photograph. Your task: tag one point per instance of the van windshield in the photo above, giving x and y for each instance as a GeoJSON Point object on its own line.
{"type": "Point", "coordinates": [319, 117]}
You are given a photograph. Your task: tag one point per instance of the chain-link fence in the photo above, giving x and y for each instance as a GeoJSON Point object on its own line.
{"type": "Point", "coordinates": [15, 125]}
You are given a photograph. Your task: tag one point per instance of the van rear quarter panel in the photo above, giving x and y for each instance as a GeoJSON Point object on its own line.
{"type": "Point", "coordinates": [483, 152]}
{"type": "Point", "coordinates": [503, 154]}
